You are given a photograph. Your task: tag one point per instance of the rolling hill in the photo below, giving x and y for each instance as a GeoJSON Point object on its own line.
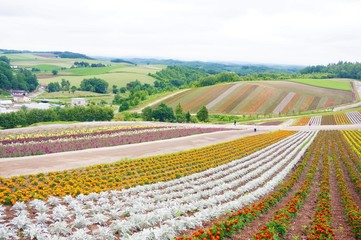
{"type": "Point", "coordinates": [260, 97]}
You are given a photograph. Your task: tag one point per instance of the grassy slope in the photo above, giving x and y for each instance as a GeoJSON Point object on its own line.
{"type": "Point", "coordinates": [338, 84]}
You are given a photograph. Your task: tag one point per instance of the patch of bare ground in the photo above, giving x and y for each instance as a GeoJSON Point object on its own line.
{"type": "Point", "coordinates": [302, 222]}
{"type": "Point", "coordinates": [339, 222]}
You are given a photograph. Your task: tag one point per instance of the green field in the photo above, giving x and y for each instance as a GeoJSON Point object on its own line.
{"type": "Point", "coordinates": [118, 74]}
{"type": "Point", "coordinates": [90, 71]}
{"type": "Point", "coordinates": [338, 84]}
{"type": "Point", "coordinates": [65, 97]}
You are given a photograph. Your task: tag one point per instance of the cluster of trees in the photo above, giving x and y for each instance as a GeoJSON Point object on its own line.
{"type": "Point", "coordinates": [86, 64]}
{"type": "Point", "coordinates": [164, 113]}
{"type": "Point", "coordinates": [63, 86]}
{"type": "Point", "coordinates": [25, 117]}
{"type": "Point", "coordinates": [132, 94]}
{"type": "Point", "coordinates": [339, 70]}
{"type": "Point", "coordinates": [20, 79]}
{"type": "Point", "coordinates": [173, 77]}
{"type": "Point", "coordinates": [94, 85]}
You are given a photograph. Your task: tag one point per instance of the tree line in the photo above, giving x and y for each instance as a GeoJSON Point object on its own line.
{"type": "Point", "coordinates": [164, 113]}
{"type": "Point", "coordinates": [16, 79]}
{"type": "Point", "coordinates": [25, 117]}
{"type": "Point", "coordinates": [92, 85]}
{"type": "Point", "coordinates": [338, 70]}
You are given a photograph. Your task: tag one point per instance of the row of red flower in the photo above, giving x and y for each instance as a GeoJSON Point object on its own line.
{"type": "Point", "coordinates": [74, 144]}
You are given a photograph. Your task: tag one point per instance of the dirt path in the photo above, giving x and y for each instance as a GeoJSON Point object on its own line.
{"type": "Point", "coordinates": [68, 160]}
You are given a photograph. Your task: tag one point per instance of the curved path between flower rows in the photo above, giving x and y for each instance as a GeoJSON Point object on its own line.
{"type": "Point", "coordinates": [75, 159]}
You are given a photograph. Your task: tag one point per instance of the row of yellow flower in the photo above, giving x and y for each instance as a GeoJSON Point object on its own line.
{"type": "Point", "coordinates": [302, 121]}
{"type": "Point", "coordinates": [342, 119]}
{"type": "Point", "coordinates": [353, 137]}
{"type": "Point", "coordinates": [128, 173]}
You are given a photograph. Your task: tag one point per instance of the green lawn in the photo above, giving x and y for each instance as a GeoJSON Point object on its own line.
{"type": "Point", "coordinates": [92, 71]}
{"type": "Point", "coordinates": [46, 67]}
{"type": "Point", "coordinates": [337, 84]}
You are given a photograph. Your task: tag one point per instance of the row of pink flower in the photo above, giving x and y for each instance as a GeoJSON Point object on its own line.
{"type": "Point", "coordinates": [74, 144]}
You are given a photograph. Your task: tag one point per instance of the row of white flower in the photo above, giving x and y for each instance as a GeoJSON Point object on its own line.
{"type": "Point", "coordinates": [315, 121]}
{"type": "Point", "coordinates": [355, 117]}
{"type": "Point", "coordinates": [137, 212]}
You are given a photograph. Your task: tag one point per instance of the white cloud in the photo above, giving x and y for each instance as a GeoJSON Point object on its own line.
{"type": "Point", "coordinates": [288, 32]}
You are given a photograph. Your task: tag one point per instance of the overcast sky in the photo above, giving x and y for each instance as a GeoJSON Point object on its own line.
{"type": "Point", "coordinates": [303, 32]}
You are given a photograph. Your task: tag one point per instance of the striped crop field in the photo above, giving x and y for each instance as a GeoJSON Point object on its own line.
{"type": "Point", "coordinates": [259, 97]}
{"type": "Point", "coordinates": [335, 119]}
{"type": "Point", "coordinates": [279, 185]}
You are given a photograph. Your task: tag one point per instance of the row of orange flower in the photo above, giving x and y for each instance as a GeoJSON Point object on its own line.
{"type": "Point", "coordinates": [128, 173]}
{"type": "Point", "coordinates": [321, 223]}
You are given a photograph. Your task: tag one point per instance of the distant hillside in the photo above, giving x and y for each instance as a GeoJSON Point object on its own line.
{"type": "Point", "coordinates": [213, 68]}
{"type": "Point", "coordinates": [59, 54]}
{"type": "Point", "coordinates": [118, 60]}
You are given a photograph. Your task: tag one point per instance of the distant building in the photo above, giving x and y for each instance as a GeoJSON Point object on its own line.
{"type": "Point", "coordinates": [21, 99]}
{"type": "Point", "coordinates": [78, 102]}
{"type": "Point", "coordinates": [19, 96]}
{"type": "Point", "coordinates": [17, 93]}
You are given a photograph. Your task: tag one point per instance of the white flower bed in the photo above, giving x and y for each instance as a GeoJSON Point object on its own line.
{"type": "Point", "coordinates": [161, 210]}
{"type": "Point", "coordinates": [355, 117]}
{"type": "Point", "coordinates": [315, 121]}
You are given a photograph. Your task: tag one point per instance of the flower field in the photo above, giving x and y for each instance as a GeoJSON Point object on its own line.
{"type": "Point", "coordinates": [259, 98]}
{"type": "Point", "coordinates": [336, 119]}
{"type": "Point", "coordinates": [53, 142]}
{"type": "Point", "coordinates": [329, 160]}
{"type": "Point", "coordinates": [209, 193]}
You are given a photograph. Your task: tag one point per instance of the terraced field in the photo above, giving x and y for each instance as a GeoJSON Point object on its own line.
{"type": "Point", "coordinates": [267, 97]}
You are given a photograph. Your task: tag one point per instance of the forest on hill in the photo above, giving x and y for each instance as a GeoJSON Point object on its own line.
{"type": "Point", "coordinates": [338, 70]}
{"type": "Point", "coordinates": [16, 79]}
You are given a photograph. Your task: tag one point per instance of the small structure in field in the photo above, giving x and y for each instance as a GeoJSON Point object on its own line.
{"type": "Point", "coordinates": [78, 102]}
